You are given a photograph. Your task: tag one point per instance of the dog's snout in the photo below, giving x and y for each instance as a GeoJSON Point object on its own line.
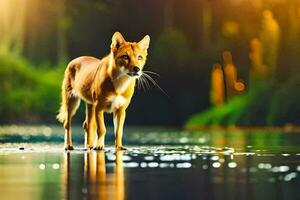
{"type": "Point", "coordinates": [136, 69]}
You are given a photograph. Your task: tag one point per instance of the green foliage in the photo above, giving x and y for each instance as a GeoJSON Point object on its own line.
{"type": "Point", "coordinates": [285, 106]}
{"type": "Point", "coordinates": [265, 104]}
{"type": "Point", "coordinates": [26, 92]}
{"type": "Point", "coordinates": [220, 115]}
{"type": "Point", "coordinates": [257, 108]}
{"type": "Point", "coordinates": [248, 109]}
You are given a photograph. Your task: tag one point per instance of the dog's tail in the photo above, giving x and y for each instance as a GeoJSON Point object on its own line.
{"type": "Point", "coordinates": [63, 110]}
{"type": "Point", "coordinates": [70, 100]}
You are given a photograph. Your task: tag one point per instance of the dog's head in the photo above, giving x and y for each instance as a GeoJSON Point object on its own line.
{"type": "Point", "coordinates": [129, 57]}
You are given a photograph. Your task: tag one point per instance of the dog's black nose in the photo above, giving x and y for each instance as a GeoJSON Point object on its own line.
{"type": "Point", "coordinates": [136, 69]}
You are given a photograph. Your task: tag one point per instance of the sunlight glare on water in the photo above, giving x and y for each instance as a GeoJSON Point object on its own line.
{"type": "Point", "coordinates": [165, 157]}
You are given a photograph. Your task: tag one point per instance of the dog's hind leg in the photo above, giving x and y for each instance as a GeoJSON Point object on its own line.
{"type": "Point", "coordinates": [69, 105]}
{"type": "Point", "coordinates": [72, 107]}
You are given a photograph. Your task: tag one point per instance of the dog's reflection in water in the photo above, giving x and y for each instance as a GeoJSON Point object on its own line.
{"type": "Point", "coordinates": [92, 181]}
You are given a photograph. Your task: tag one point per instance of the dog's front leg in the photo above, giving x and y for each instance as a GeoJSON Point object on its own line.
{"type": "Point", "coordinates": [119, 118]}
{"type": "Point", "coordinates": [89, 126]}
{"type": "Point", "coordinates": [101, 130]}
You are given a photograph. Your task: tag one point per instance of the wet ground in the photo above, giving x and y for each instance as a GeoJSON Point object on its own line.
{"type": "Point", "coordinates": [161, 163]}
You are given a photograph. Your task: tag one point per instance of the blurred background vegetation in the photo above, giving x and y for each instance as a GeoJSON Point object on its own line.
{"type": "Point", "coordinates": [222, 62]}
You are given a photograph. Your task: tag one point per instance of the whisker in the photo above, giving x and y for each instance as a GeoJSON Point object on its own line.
{"type": "Point", "coordinates": [154, 83]}
{"type": "Point", "coordinates": [151, 72]}
{"type": "Point", "coordinates": [146, 82]}
{"type": "Point", "coordinates": [143, 84]}
{"type": "Point", "coordinates": [138, 84]}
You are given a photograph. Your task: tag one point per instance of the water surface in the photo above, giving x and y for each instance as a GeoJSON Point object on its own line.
{"type": "Point", "coordinates": [161, 163]}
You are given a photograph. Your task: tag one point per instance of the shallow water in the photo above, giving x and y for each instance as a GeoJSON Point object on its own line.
{"type": "Point", "coordinates": [161, 163]}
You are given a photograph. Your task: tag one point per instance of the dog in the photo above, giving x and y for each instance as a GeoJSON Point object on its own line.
{"type": "Point", "coordinates": [105, 85]}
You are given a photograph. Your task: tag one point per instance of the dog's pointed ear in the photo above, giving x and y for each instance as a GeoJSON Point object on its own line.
{"type": "Point", "coordinates": [144, 43]}
{"type": "Point", "coordinates": [117, 40]}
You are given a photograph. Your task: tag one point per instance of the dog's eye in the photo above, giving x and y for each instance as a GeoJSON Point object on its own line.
{"type": "Point", "coordinates": [140, 57]}
{"type": "Point", "coordinates": [125, 57]}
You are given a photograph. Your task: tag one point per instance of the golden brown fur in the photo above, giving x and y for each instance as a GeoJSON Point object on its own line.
{"type": "Point", "coordinates": [105, 85]}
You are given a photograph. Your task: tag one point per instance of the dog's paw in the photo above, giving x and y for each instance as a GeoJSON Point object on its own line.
{"type": "Point", "coordinates": [88, 148]}
{"type": "Point", "coordinates": [99, 148]}
{"type": "Point", "coordinates": [69, 148]}
{"type": "Point", "coordinates": [121, 148]}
